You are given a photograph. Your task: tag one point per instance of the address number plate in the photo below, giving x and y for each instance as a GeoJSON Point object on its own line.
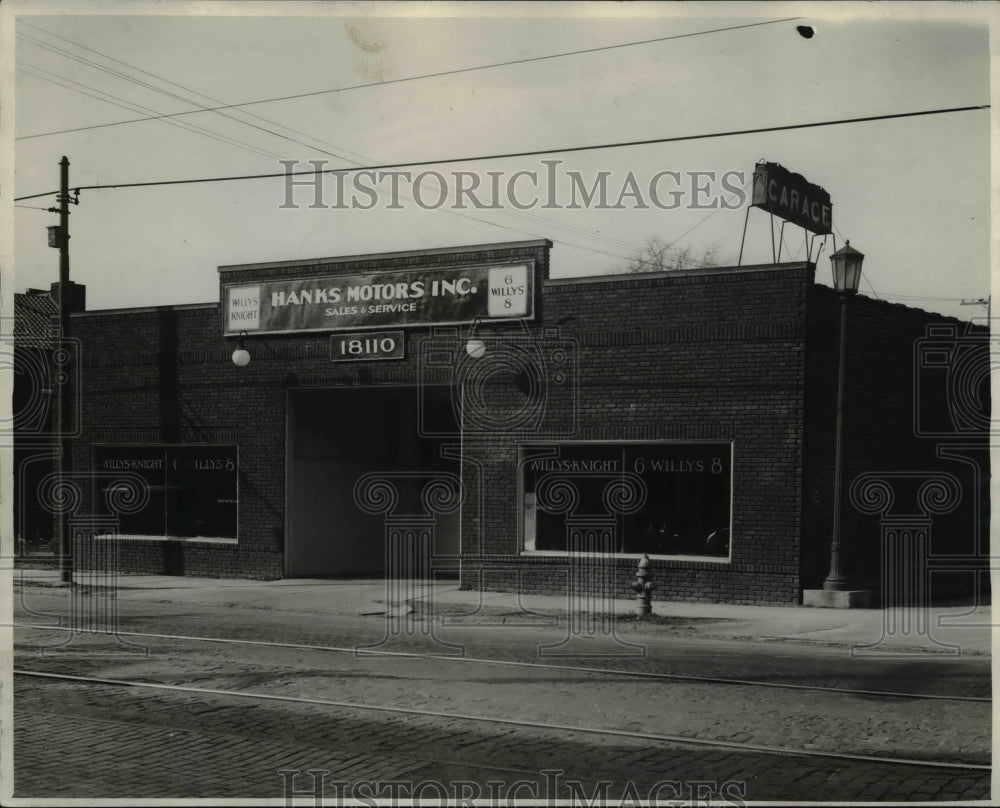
{"type": "Point", "coordinates": [366, 346]}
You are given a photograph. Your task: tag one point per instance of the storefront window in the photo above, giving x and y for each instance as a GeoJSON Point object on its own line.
{"type": "Point", "coordinates": [177, 491]}
{"type": "Point", "coordinates": [667, 499]}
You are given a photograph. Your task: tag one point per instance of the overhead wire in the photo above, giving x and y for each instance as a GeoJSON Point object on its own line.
{"type": "Point", "coordinates": [132, 106]}
{"type": "Point", "coordinates": [159, 116]}
{"type": "Point", "coordinates": [880, 296]}
{"type": "Point", "coordinates": [438, 74]}
{"type": "Point", "coordinates": [580, 232]}
{"type": "Point", "coordinates": [186, 89]}
{"type": "Point", "coordinates": [925, 297]}
{"type": "Point", "coordinates": [415, 164]}
{"type": "Point", "coordinates": [549, 223]}
{"type": "Point", "coordinates": [550, 56]}
{"type": "Point", "coordinates": [196, 129]}
{"type": "Point", "coordinates": [202, 108]}
{"type": "Point", "coordinates": [351, 169]}
{"type": "Point", "coordinates": [532, 153]}
{"type": "Point", "coordinates": [237, 143]}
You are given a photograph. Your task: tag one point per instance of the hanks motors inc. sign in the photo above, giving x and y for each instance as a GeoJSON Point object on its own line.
{"type": "Point", "coordinates": [376, 300]}
{"type": "Point", "coordinates": [779, 191]}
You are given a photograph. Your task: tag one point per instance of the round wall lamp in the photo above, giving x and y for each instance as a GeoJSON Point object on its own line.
{"type": "Point", "coordinates": [475, 348]}
{"type": "Point", "coordinates": [241, 356]}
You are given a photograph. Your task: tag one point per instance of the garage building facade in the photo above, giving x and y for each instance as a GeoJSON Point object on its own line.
{"type": "Point", "coordinates": [457, 412]}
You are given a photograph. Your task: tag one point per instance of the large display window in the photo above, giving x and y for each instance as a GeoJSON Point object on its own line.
{"type": "Point", "coordinates": [660, 498]}
{"type": "Point", "coordinates": [181, 491]}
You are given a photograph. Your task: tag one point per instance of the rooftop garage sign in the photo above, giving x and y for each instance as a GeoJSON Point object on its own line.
{"type": "Point", "coordinates": [779, 191]}
{"type": "Point", "coordinates": [376, 300]}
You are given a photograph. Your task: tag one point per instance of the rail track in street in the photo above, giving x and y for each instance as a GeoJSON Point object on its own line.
{"type": "Point", "coordinates": [237, 696]}
{"type": "Point", "coordinates": [250, 700]}
{"type": "Point", "coordinates": [356, 651]}
{"type": "Point", "coordinates": [562, 728]}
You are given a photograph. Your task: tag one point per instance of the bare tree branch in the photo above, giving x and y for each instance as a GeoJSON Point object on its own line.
{"type": "Point", "coordinates": [657, 255]}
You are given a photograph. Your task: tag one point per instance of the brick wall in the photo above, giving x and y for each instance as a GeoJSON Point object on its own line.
{"type": "Point", "coordinates": [715, 355]}
{"type": "Point", "coordinates": [740, 355]}
{"type": "Point", "coordinates": [165, 375]}
{"type": "Point", "coordinates": [885, 386]}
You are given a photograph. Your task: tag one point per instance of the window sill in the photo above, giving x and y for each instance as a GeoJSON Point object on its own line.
{"type": "Point", "coordinates": [652, 557]}
{"type": "Point", "coordinates": [173, 539]}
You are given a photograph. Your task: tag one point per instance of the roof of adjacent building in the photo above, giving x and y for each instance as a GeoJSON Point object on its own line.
{"type": "Point", "coordinates": [35, 319]}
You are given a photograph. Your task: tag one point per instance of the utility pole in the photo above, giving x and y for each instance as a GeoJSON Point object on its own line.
{"type": "Point", "coordinates": [982, 301]}
{"type": "Point", "coordinates": [64, 411]}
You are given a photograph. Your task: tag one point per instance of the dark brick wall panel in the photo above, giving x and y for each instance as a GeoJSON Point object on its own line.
{"type": "Point", "coordinates": [880, 434]}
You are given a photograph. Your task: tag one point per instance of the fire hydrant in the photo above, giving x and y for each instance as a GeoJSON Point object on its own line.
{"type": "Point", "coordinates": [643, 586]}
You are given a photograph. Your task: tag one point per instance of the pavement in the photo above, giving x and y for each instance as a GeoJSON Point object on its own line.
{"type": "Point", "coordinates": [948, 630]}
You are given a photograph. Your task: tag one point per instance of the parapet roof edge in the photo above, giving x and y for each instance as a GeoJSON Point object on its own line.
{"type": "Point", "coordinates": [343, 259]}
{"type": "Point", "coordinates": [673, 273]}
{"type": "Point", "coordinates": [140, 309]}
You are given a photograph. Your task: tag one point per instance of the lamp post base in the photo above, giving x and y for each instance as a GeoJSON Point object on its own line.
{"type": "Point", "coordinates": [837, 599]}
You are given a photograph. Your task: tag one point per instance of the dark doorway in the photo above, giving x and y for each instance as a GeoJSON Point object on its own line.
{"type": "Point", "coordinates": [336, 437]}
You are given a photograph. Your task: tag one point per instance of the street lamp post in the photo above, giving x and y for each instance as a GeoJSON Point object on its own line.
{"type": "Point", "coordinates": [846, 276]}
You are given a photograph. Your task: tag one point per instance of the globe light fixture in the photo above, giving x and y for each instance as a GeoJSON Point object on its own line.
{"type": "Point", "coordinates": [241, 356]}
{"type": "Point", "coordinates": [475, 348]}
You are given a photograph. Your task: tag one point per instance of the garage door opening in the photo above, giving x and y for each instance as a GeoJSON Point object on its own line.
{"type": "Point", "coordinates": [337, 436]}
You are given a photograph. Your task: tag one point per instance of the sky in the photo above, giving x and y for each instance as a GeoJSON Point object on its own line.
{"type": "Point", "coordinates": [912, 193]}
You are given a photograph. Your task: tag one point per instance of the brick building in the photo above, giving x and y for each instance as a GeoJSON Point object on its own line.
{"type": "Point", "coordinates": [40, 359]}
{"type": "Point", "coordinates": [458, 412]}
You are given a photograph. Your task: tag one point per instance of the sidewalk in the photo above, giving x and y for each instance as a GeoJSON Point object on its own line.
{"type": "Point", "coordinates": [966, 627]}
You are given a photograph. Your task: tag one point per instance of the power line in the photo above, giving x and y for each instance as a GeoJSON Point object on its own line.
{"type": "Point", "coordinates": [937, 297]}
{"type": "Point", "coordinates": [199, 130]}
{"type": "Point", "coordinates": [146, 85]}
{"type": "Point", "coordinates": [535, 153]}
{"type": "Point", "coordinates": [619, 243]}
{"type": "Point", "coordinates": [132, 106]}
{"type": "Point", "coordinates": [571, 229]}
{"type": "Point", "coordinates": [203, 95]}
{"type": "Point", "coordinates": [440, 74]}
{"type": "Point", "coordinates": [116, 73]}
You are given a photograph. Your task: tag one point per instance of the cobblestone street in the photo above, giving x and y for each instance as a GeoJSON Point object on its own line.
{"type": "Point", "coordinates": [198, 747]}
{"type": "Point", "coordinates": [458, 727]}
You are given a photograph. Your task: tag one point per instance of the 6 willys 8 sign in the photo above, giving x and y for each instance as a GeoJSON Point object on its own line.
{"type": "Point", "coordinates": [398, 298]}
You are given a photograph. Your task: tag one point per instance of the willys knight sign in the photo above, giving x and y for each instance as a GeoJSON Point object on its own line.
{"type": "Point", "coordinates": [399, 298]}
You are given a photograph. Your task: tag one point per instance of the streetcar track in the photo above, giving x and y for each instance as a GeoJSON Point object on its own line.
{"type": "Point", "coordinates": [646, 736]}
{"type": "Point", "coordinates": [360, 652]}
